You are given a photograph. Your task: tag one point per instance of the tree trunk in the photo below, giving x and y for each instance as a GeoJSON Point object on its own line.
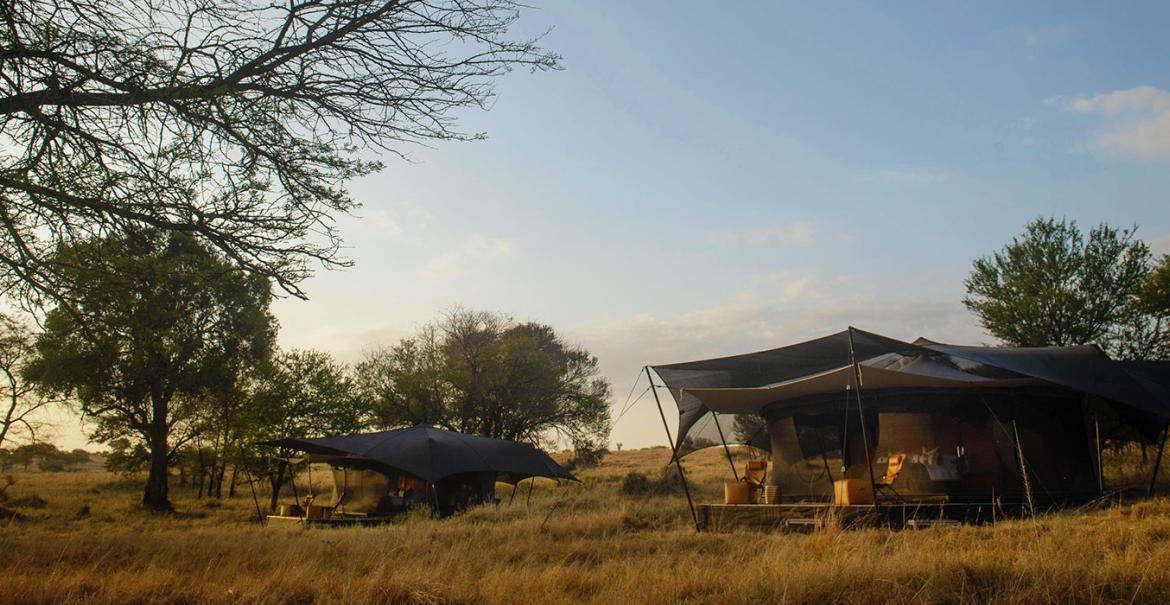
{"type": "Point", "coordinates": [219, 481]}
{"type": "Point", "coordinates": [155, 495]}
{"type": "Point", "coordinates": [232, 481]}
{"type": "Point", "coordinates": [277, 481]}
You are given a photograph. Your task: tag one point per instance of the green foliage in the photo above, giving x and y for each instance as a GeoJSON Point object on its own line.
{"type": "Point", "coordinates": [586, 455]}
{"type": "Point", "coordinates": [127, 457]}
{"type": "Point", "coordinates": [299, 393]}
{"type": "Point", "coordinates": [157, 323]}
{"type": "Point", "coordinates": [1053, 286]}
{"type": "Point", "coordinates": [1144, 332]}
{"type": "Point", "coordinates": [749, 428]}
{"type": "Point", "coordinates": [482, 373]}
{"type": "Point", "coordinates": [304, 393]}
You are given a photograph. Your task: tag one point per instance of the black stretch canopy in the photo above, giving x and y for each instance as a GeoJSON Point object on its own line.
{"type": "Point", "coordinates": [431, 453]}
{"type": "Point", "coordinates": [1143, 387]}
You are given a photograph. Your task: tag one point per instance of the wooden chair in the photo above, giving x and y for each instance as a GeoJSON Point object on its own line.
{"type": "Point", "coordinates": [755, 471]}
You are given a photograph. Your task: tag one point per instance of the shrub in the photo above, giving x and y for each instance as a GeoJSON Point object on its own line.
{"type": "Point", "coordinates": [638, 484]}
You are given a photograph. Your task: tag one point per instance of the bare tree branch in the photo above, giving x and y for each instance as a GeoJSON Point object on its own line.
{"type": "Point", "coordinates": [238, 121]}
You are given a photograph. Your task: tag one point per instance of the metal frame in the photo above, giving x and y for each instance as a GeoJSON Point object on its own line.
{"type": "Point", "coordinates": [1158, 462]}
{"type": "Point", "coordinates": [861, 417]}
{"type": "Point", "coordinates": [726, 450]}
{"type": "Point", "coordinates": [674, 451]}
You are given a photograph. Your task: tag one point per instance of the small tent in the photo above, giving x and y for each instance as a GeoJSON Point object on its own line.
{"type": "Point", "coordinates": [388, 471]}
{"type": "Point", "coordinates": [973, 423]}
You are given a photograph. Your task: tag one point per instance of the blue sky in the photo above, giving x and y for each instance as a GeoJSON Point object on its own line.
{"type": "Point", "coordinates": [701, 181]}
{"type": "Point", "coordinates": [709, 179]}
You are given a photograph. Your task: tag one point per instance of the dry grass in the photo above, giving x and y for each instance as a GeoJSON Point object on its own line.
{"type": "Point", "coordinates": [578, 543]}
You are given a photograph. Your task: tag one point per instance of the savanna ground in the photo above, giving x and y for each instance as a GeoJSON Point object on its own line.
{"type": "Point", "coordinates": [83, 539]}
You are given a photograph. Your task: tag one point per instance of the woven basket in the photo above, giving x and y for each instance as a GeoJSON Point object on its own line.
{"type": "Point", "coordinates": [771, 494]}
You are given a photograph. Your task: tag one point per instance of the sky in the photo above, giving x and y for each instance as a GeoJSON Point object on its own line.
{"type": "Point", "coordinates": [704, 180]}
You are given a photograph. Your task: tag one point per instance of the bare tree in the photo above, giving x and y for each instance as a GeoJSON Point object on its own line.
{"type": "Point", "coordinates": [238, 121]}
{"type": "Point", "coordinates": [21, 402]}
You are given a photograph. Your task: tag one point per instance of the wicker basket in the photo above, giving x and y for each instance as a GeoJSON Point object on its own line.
{"type": "Point", "coordinates": [771, 494]}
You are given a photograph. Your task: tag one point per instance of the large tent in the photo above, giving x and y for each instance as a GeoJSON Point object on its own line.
{"type": "Point", "coordinates": [975, 422]}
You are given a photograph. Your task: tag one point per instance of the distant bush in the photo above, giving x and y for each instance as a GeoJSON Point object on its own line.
{"type": "Point", "coordinates": [46, 456]}
{"type": "Point", "coordinates": [638, 484]}
{"type": "Point", "coordinates": [586, 455]}
{"type": "Point", "coordinates": [691, 444]}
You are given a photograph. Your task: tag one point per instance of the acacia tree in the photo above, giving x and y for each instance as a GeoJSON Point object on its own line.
{"type": "Point", "coordinates": [299, 393]}
{"type": "Point", "coordinates": [481, 373]}
{"type": "Point", "coordinates": [1053, 286]}
{"type": "Point", "coordinates": [236, 121]}
{"type": "Point", "coordinates": [1144, 332]}
{"type": "Point", "coordinates": [159, 323]}
{"type": "Point", "coordinates": [19, 400]}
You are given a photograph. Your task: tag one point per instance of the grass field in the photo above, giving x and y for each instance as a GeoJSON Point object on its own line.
{"type": "Point", "coordinates": [88, 542]}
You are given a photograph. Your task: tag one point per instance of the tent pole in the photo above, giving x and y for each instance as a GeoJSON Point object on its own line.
{"type": "Point", "coordinates": [531, 485]}
{"type": "Point", "coordinates": [1158, 461]}
{"type": "Point", "coordinates": [1100, 463]}
{"type": "Point", "coordinates": [726, 450]}
{"type": "Point", "coordinates": [861, 416]}
{"type": "Point", "coordinates": [255, 499]}
{"type": "Point", "coordinates": [292, 480]}
{"type": "Point", "coordinates": [674, 451]}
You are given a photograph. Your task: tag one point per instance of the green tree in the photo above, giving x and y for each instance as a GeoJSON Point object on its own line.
{"type": "Point", "coordinates": [1053, 286]}
{"type": "Point", "coordinates": [300, 393]}
{"type": "Point", "coordinates": [1144, 332]}
{"type": "Point", "coordinates": [236, 121]}
{"type": "Point", "coordinates": [409, 381]}
{"type": "Point", "coordinates": [482, 373]}
{"type": "Point", "coordinates": [160, 322]}
{"type": "Point", "coordinates": [749, 428]}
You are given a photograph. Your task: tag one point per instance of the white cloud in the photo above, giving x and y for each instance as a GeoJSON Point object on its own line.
{"type": "Point", "coordinates": [903, 175]}
{"type": "Point", "coordinates": [1138, 119]}
{"type": "Point", "coordinates": [475, 249]}
{"type": "Point", "coordinates": [801, 231]}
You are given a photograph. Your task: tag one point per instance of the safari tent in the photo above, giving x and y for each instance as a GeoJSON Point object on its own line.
{"type": "Point", "coordinates": [966, 424]}
{"type": "Point", "coordinates": [377, 475]}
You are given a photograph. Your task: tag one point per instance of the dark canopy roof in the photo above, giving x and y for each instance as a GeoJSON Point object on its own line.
{"type": "Point", "coordinates": [431, 453]}
{"type": "Point", "coordinates": [750, 382]}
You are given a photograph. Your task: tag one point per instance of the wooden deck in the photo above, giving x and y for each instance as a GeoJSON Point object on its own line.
{"type": "Point", "coordinates": [811, 515]}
